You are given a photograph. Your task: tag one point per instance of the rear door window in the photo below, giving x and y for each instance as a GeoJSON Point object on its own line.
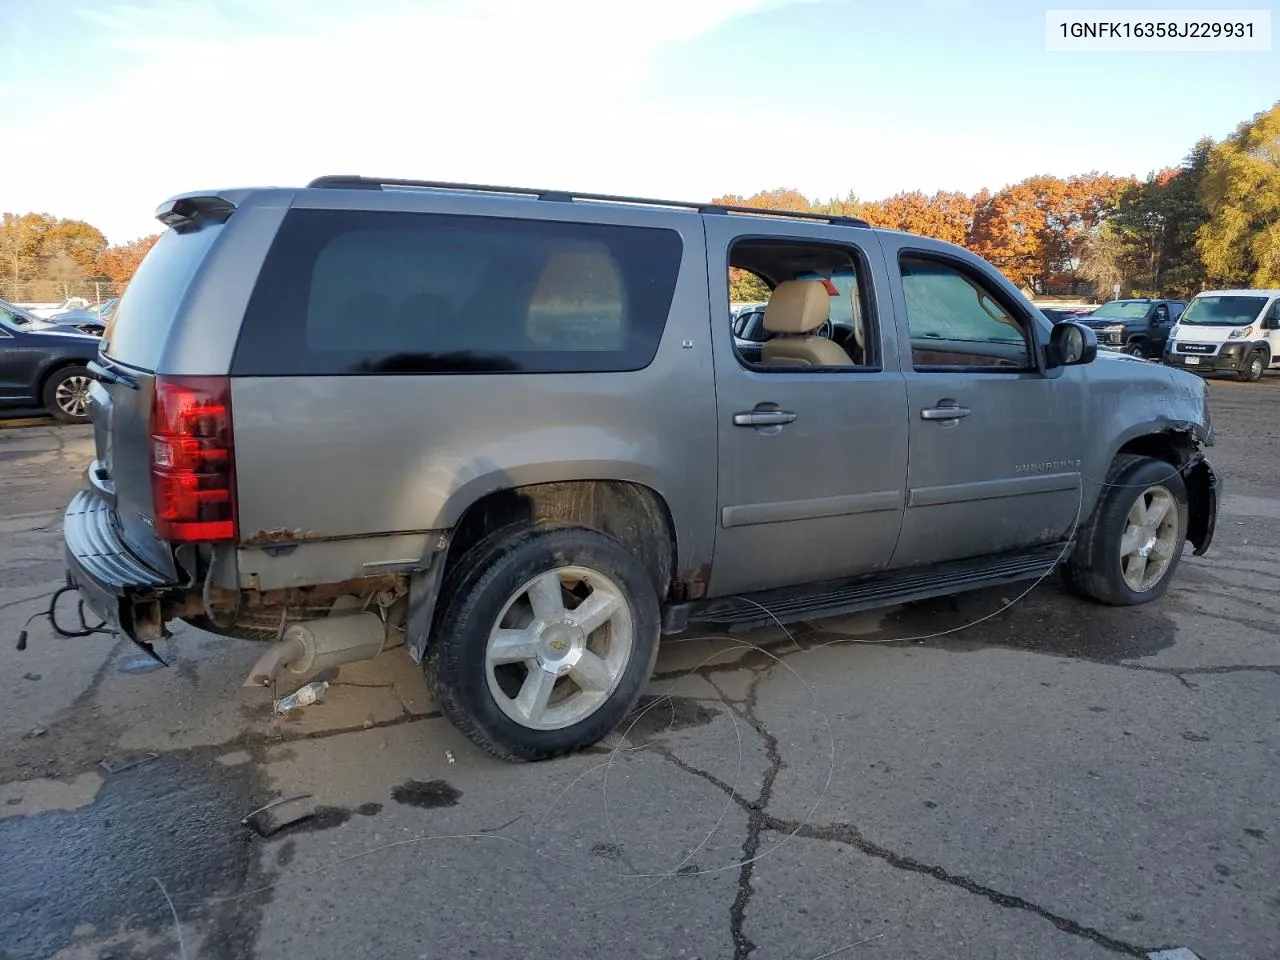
{"type": "Point", "coordinates": [135, 335]}
{"type": "Point", "coordinates": [355, 292]}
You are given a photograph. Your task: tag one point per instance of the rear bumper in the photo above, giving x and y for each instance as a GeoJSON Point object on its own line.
{"type": "Point", "coordinates": [110, 578]}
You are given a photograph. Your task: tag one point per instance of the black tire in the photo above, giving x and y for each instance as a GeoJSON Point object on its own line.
{"type": "Point", "coordinates": [1136, 350]}
{"type": "Point", "coordinates": [1254, 367]}
{"type": "Point", "coordinates": [476, 591]}
{"type": "Point", "coordinates": [1095, 569]}
{"type": "Point", "coordinates": [66, 394]}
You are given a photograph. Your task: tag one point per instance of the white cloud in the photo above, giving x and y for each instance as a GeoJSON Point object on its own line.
{"type": "Point", "coordinates": [199, 94]}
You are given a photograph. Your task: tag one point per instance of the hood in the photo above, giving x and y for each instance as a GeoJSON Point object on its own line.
{"type": "Point", "coordinates": [1204, 333]}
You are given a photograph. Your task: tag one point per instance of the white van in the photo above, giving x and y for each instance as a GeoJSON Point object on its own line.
{"type": "Point", "coordinates": [1228, 331]}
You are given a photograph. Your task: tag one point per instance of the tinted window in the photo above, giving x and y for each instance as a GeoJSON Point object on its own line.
{"type": "Point", "coordinates": [377, 292]}
{"type": "Point", "coordinates": [955, 320]}
{"type": "Point", "coordinates": [138, 326]}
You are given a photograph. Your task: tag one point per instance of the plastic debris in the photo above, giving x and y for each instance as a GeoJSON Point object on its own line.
{"type": "Point", "coordinates": [303, 697]}
{"type": "Point", "coordinates": [448, 755]}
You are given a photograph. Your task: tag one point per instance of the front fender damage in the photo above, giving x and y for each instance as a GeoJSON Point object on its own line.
{"type": "Point", "coordinates": [1204, 498]}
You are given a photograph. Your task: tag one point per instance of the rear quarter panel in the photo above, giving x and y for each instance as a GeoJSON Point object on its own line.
{"type": "Point", "coordinates": [371, 469]}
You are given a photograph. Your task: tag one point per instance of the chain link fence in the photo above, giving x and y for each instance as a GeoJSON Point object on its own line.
{"type": "Point", "coordinates": [58, 291]}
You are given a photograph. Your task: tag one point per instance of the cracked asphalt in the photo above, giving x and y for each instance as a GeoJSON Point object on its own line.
{"type": "Point", "coordinates": [1056, 781]}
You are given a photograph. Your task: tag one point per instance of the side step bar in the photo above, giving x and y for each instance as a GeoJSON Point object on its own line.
{"type": "Point", "coordinates": [839, 597]}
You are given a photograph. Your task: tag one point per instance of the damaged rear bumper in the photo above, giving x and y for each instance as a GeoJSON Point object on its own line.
{"type": "Point", "coordinates": [114, 582]}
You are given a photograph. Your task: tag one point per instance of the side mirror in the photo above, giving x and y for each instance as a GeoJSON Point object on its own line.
{"type": "Point", "coordinates": [1271, 323]}
{"type": "Point", "coordinates": [1071, 343]}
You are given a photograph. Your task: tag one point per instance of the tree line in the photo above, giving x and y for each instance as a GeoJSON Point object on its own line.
{"type": "Point", "coordinates": [44, 255]}
{"type": "Point", "coordinates": [1211, 221]}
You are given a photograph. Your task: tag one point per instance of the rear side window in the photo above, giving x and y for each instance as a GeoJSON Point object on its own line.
{"type": "Point", "coordinates": [358, 292]}
{"type": "Point", "coordinates": [135, 334]}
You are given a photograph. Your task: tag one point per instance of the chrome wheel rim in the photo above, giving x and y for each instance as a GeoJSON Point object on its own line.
{"type": "Point", "coordinates": [559, 648]}
{"type": "Point", "coordinates": [1255, 368]}
{"type": "Point", "coordinates": [72, 396]}
{"type": "Point", "coordinates": [1151, 539]}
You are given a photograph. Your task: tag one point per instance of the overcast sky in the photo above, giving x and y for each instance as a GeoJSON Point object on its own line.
{"type": "Point", "coordinates": [107, 108]}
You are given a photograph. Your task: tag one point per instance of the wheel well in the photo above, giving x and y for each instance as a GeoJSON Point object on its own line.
{"type": "Point", "coordinates": [630, 512]}
{"type": "Point", "coordinates": [52, 371]}
{"type": "Point", "coordinates": [1174, 448]}
{"type": "Point", "coordinates": [1177, 449]}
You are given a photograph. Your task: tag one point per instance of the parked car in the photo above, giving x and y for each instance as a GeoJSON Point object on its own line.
{"type": "Point", "coordinates": [44, 365]}
{"type": "Point", "coordinates": [1058, 314]}
{"type": "Point", "coordinates": [516, 436]}
{"type": "Point", "coordinates": [71, 303]}
{"type": "Point", "coordinates": [86, 321]}
{"type": "Point", "coordinates": [1228, 331]}
{"type": "Point", "coordinates": [1136, 327]}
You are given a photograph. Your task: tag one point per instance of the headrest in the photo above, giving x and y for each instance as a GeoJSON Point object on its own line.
{"type": "Point", "coordinates": [797, 306]}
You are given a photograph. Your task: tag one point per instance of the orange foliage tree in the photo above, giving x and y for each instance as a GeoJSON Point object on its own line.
{"type": "Point", "coordinates": [119, 263]}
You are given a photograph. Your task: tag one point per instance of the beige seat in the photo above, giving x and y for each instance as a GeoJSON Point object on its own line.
{"type": "Point", "coordinates": [796, 309]}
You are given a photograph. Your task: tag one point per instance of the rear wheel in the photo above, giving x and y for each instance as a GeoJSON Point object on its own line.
{"type": "Point", "coordinates": [1254, 367]}
{"type": "Point", "coordinates": [1128, 552]}
{"type": "Point", "coordinates": [66, 395]}
{"type": "Point", "coordinates": [546, 640]}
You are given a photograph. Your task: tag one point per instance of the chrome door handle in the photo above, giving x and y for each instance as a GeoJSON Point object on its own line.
{"type": "Point", "coordinates": [763, 418]}
{"type": "Point", "coordinates": [944, 413]}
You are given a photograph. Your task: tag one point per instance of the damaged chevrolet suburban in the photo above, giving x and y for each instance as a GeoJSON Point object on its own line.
{"type": "Point", "coordinates": [512, 431]}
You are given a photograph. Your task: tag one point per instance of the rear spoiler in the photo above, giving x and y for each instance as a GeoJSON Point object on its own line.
{"type": "Point", "coordinates": [190, 210]}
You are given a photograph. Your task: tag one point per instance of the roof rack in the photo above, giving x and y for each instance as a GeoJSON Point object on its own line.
{"type": "Point", "coordinates": [343, 182]}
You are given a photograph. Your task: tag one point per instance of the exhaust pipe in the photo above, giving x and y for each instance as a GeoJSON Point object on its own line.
{"type": "Point", "coordinates": [312, 646]}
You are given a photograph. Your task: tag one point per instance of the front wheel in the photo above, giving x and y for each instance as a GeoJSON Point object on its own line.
{"type": "Point", "coordinates": [66, 395]}
{"type": "Point", "coordinates": [1253, 369]}
{"type": "Point", "coordinates": [1128, 551]}
{"type": "Point", "coordinates": [546, 640]}
{"type": "Point", "coordinates": [1135, 350]}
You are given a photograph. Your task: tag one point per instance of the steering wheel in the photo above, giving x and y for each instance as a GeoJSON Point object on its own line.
{"type": "Point", "coordinates": [827, 330]}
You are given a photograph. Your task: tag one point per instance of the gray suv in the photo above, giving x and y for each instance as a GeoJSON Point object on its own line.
{"type": "Point", "coordinates": [512, 430]}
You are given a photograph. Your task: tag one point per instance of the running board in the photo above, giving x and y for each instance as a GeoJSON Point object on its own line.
{"type": "Point", "coordinates": [839, 597]}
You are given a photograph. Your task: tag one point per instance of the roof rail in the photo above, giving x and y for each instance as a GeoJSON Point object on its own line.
{"type": "Point", "coordinates": [343, 182]}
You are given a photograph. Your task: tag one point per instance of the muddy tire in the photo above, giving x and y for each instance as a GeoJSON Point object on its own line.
{"type": "Point", "coordinates": [66, 394]}
{"type": "Point", "coordinates": [1128, 551]}
{"type": "Point", "coordinates": [546, 640]}
{"type": "Point", "coordinates": [1254, 367]}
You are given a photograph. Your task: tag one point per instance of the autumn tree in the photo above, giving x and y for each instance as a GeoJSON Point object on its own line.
{"type": "Point", "coordinates": [20, 241]}
{"type": "Point", "coordinates": [780, 198]}
{"type": "Point", "coordinates": [1240, 241]}
{"type": "Point", "coordinates": [119, 263]}
{"type": "Point", "coordinates": [943, 216]}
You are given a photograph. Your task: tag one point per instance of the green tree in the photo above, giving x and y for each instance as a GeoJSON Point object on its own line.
{"type": "Point", "coordinates": [1240, 242]}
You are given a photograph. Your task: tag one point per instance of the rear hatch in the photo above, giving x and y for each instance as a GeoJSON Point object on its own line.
{"type": "Point", "coordinates": [123, 398]}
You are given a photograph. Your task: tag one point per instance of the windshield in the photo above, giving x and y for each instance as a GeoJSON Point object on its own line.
{"type": "Point", "coordinates": [1121, 310]}
{"type": "Point", "coordinates": [1223, 311]}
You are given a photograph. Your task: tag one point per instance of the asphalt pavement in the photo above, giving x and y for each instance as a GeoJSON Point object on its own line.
{"type": "Point", "coordinates": [997, 775]}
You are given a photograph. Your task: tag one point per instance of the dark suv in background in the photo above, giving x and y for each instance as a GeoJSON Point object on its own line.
{"type": "Point", "coordinates": [1136, 327]}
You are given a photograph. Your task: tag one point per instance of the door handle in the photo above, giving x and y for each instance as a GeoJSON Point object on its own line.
{"type": "Point", "coordinates": [945, 411]}
{"type": "Point", "coordinates": [763, 418]}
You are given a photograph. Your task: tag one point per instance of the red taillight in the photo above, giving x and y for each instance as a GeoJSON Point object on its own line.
{"type": "Point", "coordinates": [193, 471]}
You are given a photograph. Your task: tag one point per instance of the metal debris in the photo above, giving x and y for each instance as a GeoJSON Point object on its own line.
{"type": "Point", "coordinates": [265, 822]}
{"type": "Point", "coordinates": [116, 766]}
